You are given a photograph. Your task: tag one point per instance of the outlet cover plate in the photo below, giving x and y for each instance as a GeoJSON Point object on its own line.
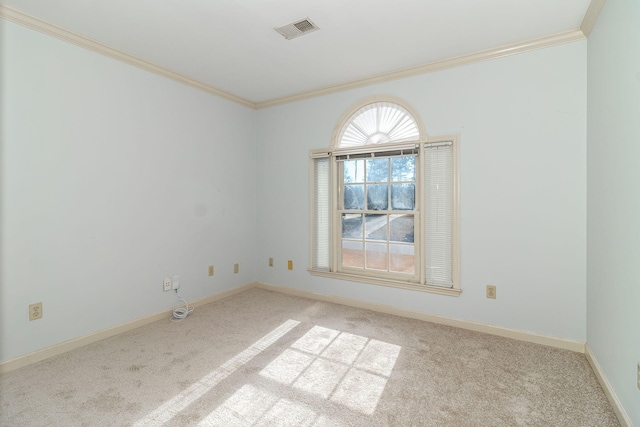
{"type": "Point", "coordinates": [491, 291]}
{"type": "Point", "coordinates": [35, 311]}
{"type": "Point", "coordinates": [166, 285]}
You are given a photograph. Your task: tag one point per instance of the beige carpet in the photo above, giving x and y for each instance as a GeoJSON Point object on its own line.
{"type": "Point", "coordinates": [264, 358]}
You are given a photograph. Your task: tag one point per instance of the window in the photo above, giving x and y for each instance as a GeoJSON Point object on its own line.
{"type": "Point", "coordinates": [384, 206]}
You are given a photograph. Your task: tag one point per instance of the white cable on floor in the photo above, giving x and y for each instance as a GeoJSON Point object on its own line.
{"type": "Point", "coordinates": [181, 312]}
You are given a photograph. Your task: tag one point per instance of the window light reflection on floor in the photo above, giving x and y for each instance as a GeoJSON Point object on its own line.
{"type": "Point", "coordinates": [253, 406]}
{"type": "Point", "coordinates": [347, 369]}
{"type": "Point", "coordinates": [169, 409]}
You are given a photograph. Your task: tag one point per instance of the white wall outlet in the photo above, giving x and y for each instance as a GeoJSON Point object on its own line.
{"type": "Point", "coordinates": [175, 282]}
{"type": "Point", "coordinates": [491, 291]}
{"type": "Point", "coordinates": [166, 284]}
{"type": "Point", "coordinates": [35, 311]}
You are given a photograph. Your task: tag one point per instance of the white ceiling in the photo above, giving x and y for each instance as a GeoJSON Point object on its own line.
{"type": "Point", "coordinates": [232, 45]}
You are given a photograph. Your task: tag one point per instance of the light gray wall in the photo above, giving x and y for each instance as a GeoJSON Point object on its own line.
{"type": "Point", "coordinates": [613, 328]}
{"type": "Point", "coordinates": [113, 178]}
{"type": "Point", "coordinates": [522, 126]}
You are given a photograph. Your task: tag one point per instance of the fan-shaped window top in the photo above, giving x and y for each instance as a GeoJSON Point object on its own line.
{"type": "Point", "coordinates": [379, 123]}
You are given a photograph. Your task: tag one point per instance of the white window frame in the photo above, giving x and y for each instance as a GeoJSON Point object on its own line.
{"type": "Point", "coordinates": [337, 232]}
{"type": "Point", "coordinates": [330, 215]}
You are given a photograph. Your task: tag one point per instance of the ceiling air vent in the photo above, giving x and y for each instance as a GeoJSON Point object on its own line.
{"type": "Point", "coordinates": [297, 29]}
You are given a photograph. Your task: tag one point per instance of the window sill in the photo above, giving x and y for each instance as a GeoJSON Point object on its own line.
{"type": "Point", "coordinates": [386, 282]}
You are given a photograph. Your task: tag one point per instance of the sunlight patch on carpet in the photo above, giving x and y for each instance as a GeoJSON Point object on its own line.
{"type": "Point", "coordinates": [347, 369]}
{"type": "Point", "coordinates": [253, 406]}
{"type": "Point", "coordinates": [172, 407]}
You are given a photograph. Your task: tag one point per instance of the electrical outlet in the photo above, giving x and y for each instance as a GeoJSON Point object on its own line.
{"type": "Point", "coordinates": [166, 285]}
{"type": "Point", "coordinates": [491, 291]}
{"type": "Point", "coordinates": [175, 282]}
{"type": "Point", "coordinates": [270, 262]}
{"type": "Point", "coordinates": [35, 311]}
{"type": "Point", "coordinates": [236, 268]}
{"type": "Point", "coordinates": [211, 270]}
{"type": "Point", "coordinates": [290, 265]}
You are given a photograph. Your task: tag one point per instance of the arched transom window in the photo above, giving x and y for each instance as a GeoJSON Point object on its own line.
{"type": "Point", "coordinates": [379, 123]}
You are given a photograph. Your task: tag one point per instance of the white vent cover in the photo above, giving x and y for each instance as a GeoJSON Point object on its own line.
{"type": "Point", "coordinates": [297, 29]}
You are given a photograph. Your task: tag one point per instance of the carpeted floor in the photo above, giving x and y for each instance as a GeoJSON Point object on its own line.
{"type": "Point", "coordinates": [264, 358]}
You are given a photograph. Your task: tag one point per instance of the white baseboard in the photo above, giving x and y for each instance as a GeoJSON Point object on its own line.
{"type": "Point", "coordinates": [624, 419]}
{"type": "Point", "coordinates": [63, 347]}
{"type": "Point", "coordinates": [72, 344]}
{"type": "Point", "coordinates": [576, 346]}
{"type": "Point", "coordinates": [562, 343]}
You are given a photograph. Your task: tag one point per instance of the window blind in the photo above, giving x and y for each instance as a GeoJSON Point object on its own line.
{"type": "Point", "coordinates": [438, 220]}
{"type": "Point", "coordinates": [321, 215]}
{"type": "Point", "coordinates": [371, 155]}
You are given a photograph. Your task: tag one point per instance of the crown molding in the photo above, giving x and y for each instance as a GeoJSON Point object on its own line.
{"type": "Point", "coordinates": [37, 24]}
{"type": "Point", "coordinates": [590, 18]}
{"type": "Point", "coordinates": [499, 52]}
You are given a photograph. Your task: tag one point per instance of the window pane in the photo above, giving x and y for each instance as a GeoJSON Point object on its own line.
{"type": "Point", "coordinates": [403, 196]}
{"type": "Point", "coordinates": [378, 170]}
{"type": "Point", "coordinates": [354, 196]}
{"type": "Point", "coordinates": [352, 226]}
{"type": "Point", "coordinates": [353, 170]}
{"type": "Point", "coordinates": [401, 259]}
{"type": "Point", "coordinates": [377, 256]}
{"type": "Point", "coordinates": [403, 168]}
{"type": "Point", "coordinates": [401, 228]}
{"type": "Point", "coordinates": [352, 254]}
{"type": "Point", "coordinates": [377, 197]}
{"type": "Point", "coordinates": [376, 227]}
